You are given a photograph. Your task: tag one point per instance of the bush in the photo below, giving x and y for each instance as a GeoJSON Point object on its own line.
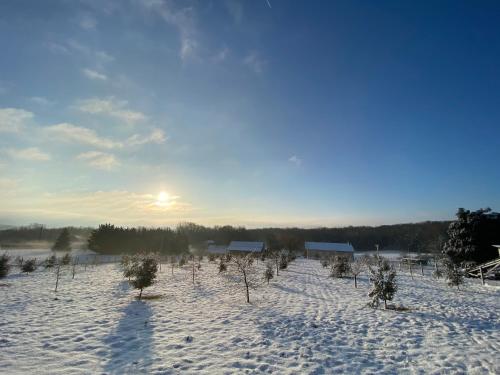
{"type": "Point", "coordinates": [29, 265]}
{"type": "Point", "coordinates": [4, 265]}
{"type": "Point", "coordinates": [383, 277]}
{"type": "Point", "coordinates": [212, 257]}
{"type": "Point", "coordinates": [454, 274]}
{"type": "Point", "coordinates": [50, 261]}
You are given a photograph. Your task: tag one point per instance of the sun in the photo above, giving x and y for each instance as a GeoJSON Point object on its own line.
{"type": "Point", "coordinates": [163, 199]}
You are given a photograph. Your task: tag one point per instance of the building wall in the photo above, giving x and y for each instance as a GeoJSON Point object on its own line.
{"type": "Point", "coordinates": [318, 254]}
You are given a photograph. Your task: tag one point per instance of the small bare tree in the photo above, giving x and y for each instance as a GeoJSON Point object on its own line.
{"type": "Point", "coordinates": [222, 265]}
{"type": "Point", "coordinates": [357, 266]}
{"type": "Point", "coordinates": [269, 272]}
{"type": "Point", "coordinates": [244, 272]}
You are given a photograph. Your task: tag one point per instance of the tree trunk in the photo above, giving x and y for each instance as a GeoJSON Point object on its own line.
{"type": "Point", "coordinates": [355, 281]}
{"type": "Point", "coordinates": [193, 271]}
{"type": "Point", "coordinates": [422, 268]}
{"type": "Point", "coordinates": [385, 304]}
{"type": "Point", "coordinates": [246, 286]}
{"type": "Point", "coordinates": [140, 294]}
{"type": "Point", "coordinates": [411, 271]}
{"type": "Point", "coordinates": [57, 278]}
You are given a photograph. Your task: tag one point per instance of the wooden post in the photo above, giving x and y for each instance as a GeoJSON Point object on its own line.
{"type": "Point", "coordinates": [422, 268]}
{"type": "Point", "coordinates": [482, 276]}
{"type": "Point", "coordinates": [57, 276]}
{"type": "Point", "coordinates": [73, 270]}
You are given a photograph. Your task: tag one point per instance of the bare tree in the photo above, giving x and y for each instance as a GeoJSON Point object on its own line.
{"type": "Point", "coordinates": [269, 272]}
{"type": "Point", "coordinates": [244, 272]}
{"type": "Point", "coordinates": [357, 266]}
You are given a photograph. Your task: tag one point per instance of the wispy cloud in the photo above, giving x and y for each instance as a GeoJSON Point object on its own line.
{"type": "Point", "coordinates": [253, 61]}
{"type": "Point", "coordinates": [111, 107]}
{"type": "Point", "coordinates": [156, 136]}
{"type": "Point", "coordinates": [71, 46]}
{"type": "Point", "coordinates": [92, 74]}
{"type": "Point", "coordinates": [87, 21]}
{"type": "Point", "coordinates": [42, 101]}
{"type": "Point", "coordinates": [99, 160]}
{"type": "Point", "coordinates": [221, 55]}
{"type": "Point", "coordinates": [72, 133]}
{"type": "Point", "coordinates": [235, 9]}
{"type": "Point", "coordinates": [182, 19]}
{"type": "Point", "coordinates": [12, 120]}
{"type": "Point", "coordinates": [31, 153]}
{"type": "Point", "coordinates": [295, 160]}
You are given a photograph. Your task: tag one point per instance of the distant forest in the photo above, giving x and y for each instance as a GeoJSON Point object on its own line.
{"type": "Point", "coordinates": [426, 237]}
{"type": "Point", "coordinates": [38, 232]}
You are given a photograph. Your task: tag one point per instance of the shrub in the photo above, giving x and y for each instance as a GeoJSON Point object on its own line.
{"type": "Point", "coordinates": [29, 265]}
{"type": "Point", "coordinates": [454, 274]}
{"type": "Point", "coordinates": [4, 265]}
{"type": "Point", "coordinates": [383, 277]}
{"type": "Point", "coordinates": [50, 261]}
{"type": "Point", "coordinates": [283, 262]}
{"type": "Point", "coordinates": [212, 257]}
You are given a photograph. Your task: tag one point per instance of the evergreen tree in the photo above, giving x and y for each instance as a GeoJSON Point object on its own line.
{"type": "Point", "coordinates": [222, 265]}
{"type": "Point", "coordinates": [383, 277]}
{"type": "Point", "coordinates": [4, 265]}
{"type": "Point", "coordinates": [66, 259]}
{"type": "Point", "coordinates": [63, 242]}
{"type": "Point", "coordinates": [143, 271]}
{"type": "Point", "coordinates": [29, 265]}
{"type": "Point", "coordinates": [339, 267]}
{"type": "Point", "coordinates": [50, 261]}
{"type": "Point", "coordinates": [454, 274]}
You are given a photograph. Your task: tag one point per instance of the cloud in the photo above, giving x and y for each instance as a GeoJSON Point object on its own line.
{"type": "Point", "coordinates": [31, 153]}
{"type": "Point", "coordinates": [295, 160]}
{"type": "Point", "coordinates": [255, 62]}
{"type": "Point", "coordinates": [72, 133]}
{"type": "Point", "coordinates": [40, 100]}
{"type": "Point", "coordinates": [12, 120]}
{"type": "Point", "coordinates": [111, 107]}
{"type": "Point", "coordinates": [221, 55]}
{"type": "Point", "coordinates": [87, 22]}
{"type": "Point", "coordinates": [70, 46]}
{"type": "Point", "coordinates": [99, 160]}
{"type": "Point", "coordinates": [235, 9]}
{"type": "Point", "coordinates": [182, 20]}
{"type": "Point", "coordinates": [8, 183]}
{"type": "Point", "coordinates": [156, 136]}
{"type": "Point", "coordinates": [92, 74]}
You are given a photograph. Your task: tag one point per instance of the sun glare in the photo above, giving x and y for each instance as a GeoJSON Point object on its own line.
{"type": "Point", "coordinates": [163, 199]}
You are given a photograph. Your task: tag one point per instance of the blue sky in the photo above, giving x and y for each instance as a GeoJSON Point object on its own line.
{"type": "Point", "coordinates": [247, 112]}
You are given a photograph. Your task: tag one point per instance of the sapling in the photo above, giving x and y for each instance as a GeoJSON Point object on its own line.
{"type": "Point", "coordinates": [383, 277]}
{"type": "Point", "coordinates": [283, 261]}
{"type": "Point", "coordinates": [58, 271]}
{"type": "Point", "coordinates": [143, 271]}
{"type": "Point", "coordinates": [29, 265]}
{"type": "Point", "coordinates": [454, 274]}
{"type": "Point", "coordinates": [222, 265]}
{"type": "Point", "coordinates": [4, 265]}
{"type": "Point", "coordinates": [268, 272]}
{"type": "Point", "coordinates": [66, 259]}
{"type": "Point", "coordinates": [244, 273]}
{"type": "Point", "coordinates": [212, 257]}
{"type": "Point", "coordinates": [357, 266]}
{"type": "Point", "coordinates": [339, 266]}
{"type": "Point", "coordinates": [50, 261]}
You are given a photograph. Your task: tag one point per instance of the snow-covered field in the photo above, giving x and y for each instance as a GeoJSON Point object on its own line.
{"type": "Point", "coordinates": [302, 323]}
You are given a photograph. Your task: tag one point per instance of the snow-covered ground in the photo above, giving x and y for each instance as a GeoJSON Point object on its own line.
{"type": "Point", "coordinates": [302, 323]}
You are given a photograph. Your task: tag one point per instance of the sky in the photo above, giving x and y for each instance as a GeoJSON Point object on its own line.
{"type": "Point", "coordinates": [255, 113]}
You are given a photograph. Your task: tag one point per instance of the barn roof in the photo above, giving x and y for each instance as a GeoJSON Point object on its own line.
{"type": "Point", "coordinates": [329, 246]}
{"type": "Point", "coordinates": [247, 246]}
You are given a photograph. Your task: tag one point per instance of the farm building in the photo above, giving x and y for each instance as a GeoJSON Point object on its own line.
{"type": "Point", "coordinates": [326, 249]}
{"type": "Point", "coordinates": [243, 247]}
{"type": "Point", "coordinates": [216, 249]}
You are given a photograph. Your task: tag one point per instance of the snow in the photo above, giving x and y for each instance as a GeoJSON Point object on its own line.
{"type": "Point", "coordinates": [302, 323]}
{"type": "Point", "coordinates": [329, 246]}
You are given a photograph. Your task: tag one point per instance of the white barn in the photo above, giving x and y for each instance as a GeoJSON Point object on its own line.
{"type": "Point", "coordinates": [246, 247]}
{"type": "Point", "coordinates": [322, 249]}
